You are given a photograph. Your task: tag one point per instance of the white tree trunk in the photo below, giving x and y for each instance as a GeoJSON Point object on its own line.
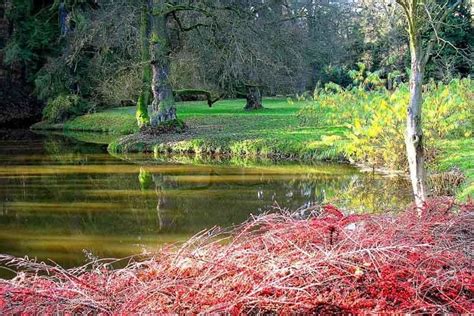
{"type": "Point", "coordinates": [414, 134]}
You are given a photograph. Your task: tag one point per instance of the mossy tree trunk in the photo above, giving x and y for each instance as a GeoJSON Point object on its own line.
{"type": "Point", "coordinates": [163, 107]}
{"type": "Point", "coordinates": [145, 96]}
{"type": "Point", "coordinates": [254, 98]}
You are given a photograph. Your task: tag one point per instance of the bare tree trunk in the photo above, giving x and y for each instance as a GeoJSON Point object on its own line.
{"type": "Point", "coordinates": [254, 98]}
{"type": "Point", "coordinates": [414, 134]}
{"type": "Point", "coordinates": [163, 107]}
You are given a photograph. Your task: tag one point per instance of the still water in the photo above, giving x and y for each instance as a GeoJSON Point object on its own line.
{"type": "Point", "coordinates": [67, 201]}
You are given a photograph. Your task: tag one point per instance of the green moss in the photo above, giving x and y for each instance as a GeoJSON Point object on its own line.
{"type": "Point", "coordinates": [155, 39]}
{"type": "Point", "coordinates": [142, 112]}
{"type": "Point", "coordinates": [143, 119]}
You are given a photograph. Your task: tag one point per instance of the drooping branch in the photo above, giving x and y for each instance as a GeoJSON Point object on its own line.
{"type": "Point", "coordinates": [174, 8]}
{"type": "Point", "coordinates": [197, 92]}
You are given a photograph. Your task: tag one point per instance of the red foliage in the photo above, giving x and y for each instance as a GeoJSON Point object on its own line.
{"type": "Point", "coordinates": [330, 263]}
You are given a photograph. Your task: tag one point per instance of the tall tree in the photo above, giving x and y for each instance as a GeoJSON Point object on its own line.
{"type": "Point", "coordinates": [252, 47]}
{"type": "Point", "coordinates": [333, 40]}
{"type": "Point", "coordinates": [156, 50]}
{"type": "Point", "coordinates": [419, 16]}
{"type": "Point", "coordinates": [26, 33]}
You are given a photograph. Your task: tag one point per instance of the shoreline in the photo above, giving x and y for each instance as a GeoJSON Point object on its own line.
{"type": "Point", "coordinates": [226, 130]}
{"type": "Point", "coordinates": [195, 148]}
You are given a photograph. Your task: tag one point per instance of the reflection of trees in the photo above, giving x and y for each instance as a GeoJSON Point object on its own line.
{"type": "Point", "coordinates": [69, 203]}
{"type": "Point", "coordinates": [112, 204]}
{"type": "Point", "coordinates": [359, 192]}
{"type": "Point", "coordinates": [220, 196]}
{"type": "Point", "coordinates": [68, 151]}
{"type": "Point", "coordinates": [159, 182]}
{"type": "Point", "coordinates": [145, 179]}
{"type": "Point", "coordinates": [322, 183]}
{"type": "Point", "coordinates": [373, 193]}
{"type": "Point", "coordinates": [170, 201]}
{"type": "Point", "coordinates": [163, 186]}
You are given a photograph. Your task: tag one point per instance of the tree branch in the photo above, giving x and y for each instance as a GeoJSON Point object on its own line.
{"type": "Point", "coordinates": [189, 28]}
{"type": "Point", "coordinates": [436, 25]}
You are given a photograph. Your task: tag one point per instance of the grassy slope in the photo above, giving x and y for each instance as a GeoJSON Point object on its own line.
{"type": "Point", "coordinates": [227, 128]}
{"type": "Point", "coordinates": [119, 121]}
{"type": "Point", "coordinates": [224, 128]}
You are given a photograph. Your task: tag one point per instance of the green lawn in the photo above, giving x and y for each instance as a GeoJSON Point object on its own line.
{"type": "Point", "coordinates": [117, 121]}
{"type": "Point", "coordinates": [227, 129]}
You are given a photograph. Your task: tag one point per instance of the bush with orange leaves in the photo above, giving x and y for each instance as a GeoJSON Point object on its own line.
{"type": "Point", "coordinates": [282, 262]}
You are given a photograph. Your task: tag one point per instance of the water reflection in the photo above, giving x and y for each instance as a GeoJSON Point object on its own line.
{"type": "Point", "coordinates": [61, 196]}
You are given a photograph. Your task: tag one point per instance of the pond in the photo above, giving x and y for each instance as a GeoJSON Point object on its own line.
{"type": "Point", "coordinates": [69, 201]}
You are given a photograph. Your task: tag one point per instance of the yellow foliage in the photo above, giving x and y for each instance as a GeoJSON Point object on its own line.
{"type": "Point", "coordinates": [376, 119]}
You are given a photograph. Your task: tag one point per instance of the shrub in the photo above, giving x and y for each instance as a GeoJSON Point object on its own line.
{"type": "Point", "coordinates": [65, 107]}
{"type": "Point", "coordinates": [449, 109]}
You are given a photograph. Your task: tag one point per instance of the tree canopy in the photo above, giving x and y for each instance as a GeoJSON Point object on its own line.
{"type": "Point", "coordinates": [104, 52]}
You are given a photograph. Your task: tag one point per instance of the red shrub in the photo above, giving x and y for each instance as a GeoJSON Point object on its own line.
{"type": "Point", "coordinates": [329, 263]}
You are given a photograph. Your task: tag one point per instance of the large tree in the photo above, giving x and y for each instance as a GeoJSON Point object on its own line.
{"type": "Point", "coordinates": [156, 49]}
{"type": "Point", "coordinates": [333, 41]}
{"type": "Point", "coordinates": [251, 48]}
{"type": "Point", "coordinates": [161, 28]}
{"type": "Point", "coordinates": [228, 26]}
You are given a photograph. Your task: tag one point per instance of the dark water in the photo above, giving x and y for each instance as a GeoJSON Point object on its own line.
{"type": "Point", "coordinates": [67, 201]}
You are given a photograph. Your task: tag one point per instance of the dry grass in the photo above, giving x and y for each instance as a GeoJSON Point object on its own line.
{"type": "Point", "coordinates": [314, 260]}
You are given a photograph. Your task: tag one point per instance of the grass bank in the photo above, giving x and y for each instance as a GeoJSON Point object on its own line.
{"type": "Point", "coordinates": [116, 121]}
{"type": "Point", "coordinates": [459, 153]}
{"type": "Point", "coordinates": [229, 130]}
